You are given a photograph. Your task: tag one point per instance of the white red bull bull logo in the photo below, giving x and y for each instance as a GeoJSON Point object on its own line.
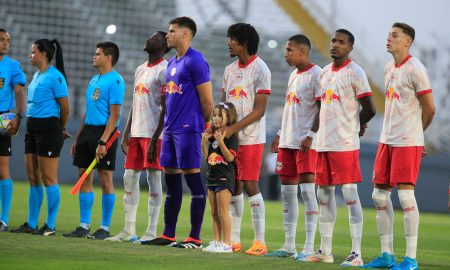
{"type": "Point", "coordinates": [291, 98]}
{"type": "Point", "coordinates": [141, 89]}
{"type": "Point", "coordinates": [238, 92]}
{"type": "Point", "coordinates": [215, 159]}
{"type": "Point", "coordinates": [391, 94]}
{"type": "Point", "coordinates": [173, 88]}
{"type": "Point", "coordinates": [330, 96]}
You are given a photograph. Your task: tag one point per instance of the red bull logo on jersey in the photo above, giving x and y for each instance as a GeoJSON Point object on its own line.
{"type": "Point", "coordinates": [141, 89]}
{"type": "Point", "coordinates": [172, 88]}
{"type": "Point", "coordinates": [391, 94]}
{"type": "Point", "coordinates": [291, 98]}
{"type": "Point", "coordinates": [238, 92]}
{"type": "Point", "coordinates": [329, 96]}
{"type": "Point", "coordinates": [215, 159]}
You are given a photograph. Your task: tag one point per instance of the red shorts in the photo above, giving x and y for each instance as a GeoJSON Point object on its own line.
{"type": "Point", "coordinates": [292, 162]}
{"type": "Point", "coordinates": [136, 158]}
{"type": "Point", "coordinates": [396, 165]}
{"type": "Point", "coordinates": [248, 161]}
{"type": "Point", "coordinates": [338, 168]}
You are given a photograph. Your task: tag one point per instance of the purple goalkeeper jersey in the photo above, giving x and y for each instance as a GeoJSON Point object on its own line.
{"type": "Point", "coordinates": [183, 109]}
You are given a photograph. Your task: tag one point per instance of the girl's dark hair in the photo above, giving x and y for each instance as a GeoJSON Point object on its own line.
{"type": "Point", "coordinates": [49, 47]}
{"type": "Point", "coordinates": [245, 35]}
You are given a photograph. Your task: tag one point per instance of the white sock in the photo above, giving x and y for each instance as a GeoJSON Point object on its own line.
{"type": "Point", "coordinates": [290, 214]}
{"type": "Point", "coordinates": [131, 198]}
{"type": "Point", "coordinates": [385, 219]}
{"type": "Point", "coordinates": [327, 217]}
{"type": "Point", "coordinates": [154, 200]}
{"type": "Point", "coordinates": [411, 219]}
{"type": "Point", "coordinates": [236, 210]}
{"type": "Point", "coordinates": [355, 215]}
{"type": "Point", "coordinates": [308, 191]}
{"type": "Point", "coordinates": [258, 216]}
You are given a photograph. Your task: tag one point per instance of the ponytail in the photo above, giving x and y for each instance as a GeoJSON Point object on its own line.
{"type": "Point", "coordinates": [59, 58]}
{"type": "Point", "coordinates": [47, 46]}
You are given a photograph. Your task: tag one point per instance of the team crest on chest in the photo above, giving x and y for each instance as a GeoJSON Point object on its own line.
{"type": "Point", "coordinates": [96, 94]}
{"type": "Point", "coordinates": [173, 71]}
{"type": "Point", "coordinates": [215, 144]}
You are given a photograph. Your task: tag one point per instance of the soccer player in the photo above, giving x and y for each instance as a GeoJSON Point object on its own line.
{"type": "Point", "coordinates": [409, 110]}
{"type": "Point", "coordinates": [48, 113]}
{"type": "Point", "coordinates": [296, 159]}
{"type": "Point", "coordinates": [12, 81]}
{"type": "Point", "coordinates": [141, 132]}
{"type": "Point", "coordinates": [345, 108]}
{"type": "Point", "coordinates": [246, 84]}
{"type": "Point", "coordinates": [189, 104]}
{"type": "Point", "coordinates": [104, 99]}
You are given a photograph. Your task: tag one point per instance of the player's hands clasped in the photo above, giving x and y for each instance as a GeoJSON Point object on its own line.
{"type": "Point", "coordinates": [219, 135]}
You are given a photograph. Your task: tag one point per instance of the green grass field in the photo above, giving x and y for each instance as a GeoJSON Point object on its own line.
{"type": "Point", "coordinates": [19, 251]}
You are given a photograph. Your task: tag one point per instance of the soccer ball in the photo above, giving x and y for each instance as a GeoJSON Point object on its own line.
{"type": "Point", "coordinates": [5, 118]}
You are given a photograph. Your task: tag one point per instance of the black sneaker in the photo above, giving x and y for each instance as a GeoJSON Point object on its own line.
{"type": "Point", "coordinates": [45, 231]}
{"type": "Point", "coordinates": [3, 227]}
{"type": "Point", "coordinates": [160, 241]}
{"type": "Point", "coordinates": [24, 228]}
{"type": "Point", "coordinates": [99, 234]}
{"type": "Point", "coordinates": [78, 232]}
{"type": "Point", "coordinates": [189, 243]}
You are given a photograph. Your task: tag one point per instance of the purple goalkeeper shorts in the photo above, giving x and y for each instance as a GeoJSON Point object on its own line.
{"type": "Point", "coordinates": [181, 150]}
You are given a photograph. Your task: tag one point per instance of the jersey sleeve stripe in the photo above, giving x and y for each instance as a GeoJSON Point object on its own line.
{"type": "Point", "coordinates": [223, 90]}
{"type": "Point", "coordinates": [318, 98]}
{"type": "Point", "coordinates": [163, 89]}
{"type": "Point", "coordinates": [263, 91]}
{"type": "Point", "coordinates": [424, 92]}
{"type": "Point", "coordinates": [363, 95]}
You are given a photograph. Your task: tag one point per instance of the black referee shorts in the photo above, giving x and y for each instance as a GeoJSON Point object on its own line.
{"type": "Point", "coordinates": [87, 145]}
{"type": "Point", "coordinates": [44, 137]}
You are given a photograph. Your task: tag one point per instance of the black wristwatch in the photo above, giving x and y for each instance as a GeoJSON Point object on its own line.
{"type": "Point", "coordinates": [101, 142]}
{"type": "Point", "coordinates": [19, 115]}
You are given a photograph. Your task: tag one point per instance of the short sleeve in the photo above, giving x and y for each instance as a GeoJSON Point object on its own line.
{"type": "Point", "coordinates": [59, 85]}
{"type": "Point", "coordinates": [116, 91]}
{"type": "Point", "coordinates": [199, 70]}
{"type": "Point", "coordinates": [162, 80]}
{"type": "Point", "coordinates": [233, 144]}
{"type": "Point", "coordinates": [263, 83]}
{"type": "Point", "coordinates": [360, 84]}
{"type": "Point", "coordinates": [18, 76]}
{"type": "Point", "coordinates": [316, 86]}
{"type": "Point", "coordinates": [420, 80]}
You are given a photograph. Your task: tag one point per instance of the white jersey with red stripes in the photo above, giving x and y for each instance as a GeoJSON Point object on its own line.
{"type": "Point", "coordinates": [241, 84]}
{"type": "Point", "coordinates": [149, 86]}
{"type": "Point", "coordinates": [402, 125]}
{"type": "Point", "coordinates": [339, 112]}
{"type": "Point", "coordinates": [300, 106]}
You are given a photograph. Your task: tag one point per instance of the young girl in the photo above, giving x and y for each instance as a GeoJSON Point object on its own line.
{"type": "Point", "coordinates": [220, 153]}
